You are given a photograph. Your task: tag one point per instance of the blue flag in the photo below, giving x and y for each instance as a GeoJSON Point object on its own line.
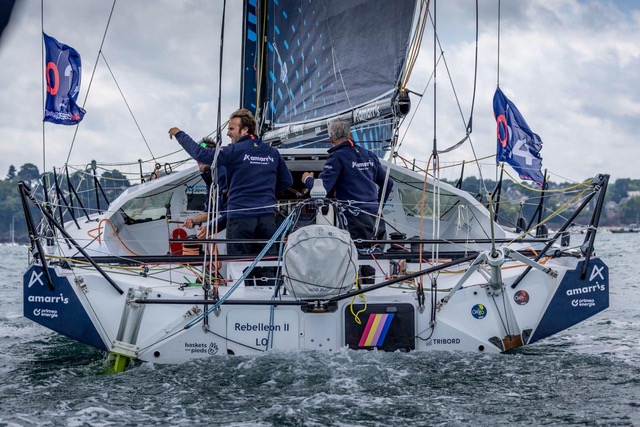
{"type": "Point", "coordinates": [63, 83]}
{"type": "Point", "coordinates": [517, 144]}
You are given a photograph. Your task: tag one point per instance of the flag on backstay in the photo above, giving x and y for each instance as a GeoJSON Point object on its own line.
{"type": "Point", "coordinates": [62, 73]}
{"type": "Point", "coordinates": [517, 144]}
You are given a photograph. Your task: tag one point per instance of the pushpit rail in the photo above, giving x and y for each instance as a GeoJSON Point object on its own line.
{"type": "Point", "coordinates": [25, 195]}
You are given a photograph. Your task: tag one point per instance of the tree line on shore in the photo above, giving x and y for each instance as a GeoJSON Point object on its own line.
{"type": "Point", "coordinates": [622, 201]}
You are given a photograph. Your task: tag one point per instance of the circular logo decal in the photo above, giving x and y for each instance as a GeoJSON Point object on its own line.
{"type": "Point", "coordinates": [479, 311]}
{"type": "Point", "coordinates": [521, 297]}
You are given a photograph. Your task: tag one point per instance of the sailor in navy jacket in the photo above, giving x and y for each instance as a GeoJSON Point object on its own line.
{"type": "Point", "coordinates": [255, 173]}
{"type": "Point", "coordinates": [252, 167]}
{"type": "Point", "coordinates": [356, 175]}
{"type": "Point", "coordinates": [221, 221]}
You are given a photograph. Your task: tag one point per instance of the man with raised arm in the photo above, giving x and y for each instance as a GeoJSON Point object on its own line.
{"type": "Point", "coordinates": [202, 217]}
{"type": "Point", "coordinates": [255, 174]}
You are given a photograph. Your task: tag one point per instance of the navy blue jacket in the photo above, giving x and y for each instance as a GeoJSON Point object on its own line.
{"type": "Point", "coordinates": [355, 174]}
{"type": "Point", "coordinates": [222, 199]}
{"type": "Point", "coordinates": [255, 172]}
{"type": "Point", "coordinates": [222, 188]}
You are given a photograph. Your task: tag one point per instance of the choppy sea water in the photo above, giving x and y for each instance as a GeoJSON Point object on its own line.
{"type": "Point", "coordinates": [588, 375]}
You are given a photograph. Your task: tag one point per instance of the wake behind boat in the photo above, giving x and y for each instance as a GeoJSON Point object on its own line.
{"type": "Point", "coordinates": [130, 281]}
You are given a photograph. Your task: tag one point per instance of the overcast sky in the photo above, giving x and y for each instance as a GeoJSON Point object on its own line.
{"type": "Point", "coordinates": [572, 68]}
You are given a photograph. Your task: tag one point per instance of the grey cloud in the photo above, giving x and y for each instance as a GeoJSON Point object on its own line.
{"type": "Point", "coordinates": [571, 66]}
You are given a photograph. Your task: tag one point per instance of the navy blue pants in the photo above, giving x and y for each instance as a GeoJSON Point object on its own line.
{"type": "Point", "coordinates": [261, 227]}
{"type": "Point", "coordinates": [361, 227]}
{"type": "Point", "coordinates": [253, 228]}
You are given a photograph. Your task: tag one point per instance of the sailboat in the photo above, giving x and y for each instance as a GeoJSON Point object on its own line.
{"type": "Point", "coordinates": [449, 277]}
{"type": "Point", "coordinates": [12, 232]}
{"type": "Point", "coordinates": [632, 228]}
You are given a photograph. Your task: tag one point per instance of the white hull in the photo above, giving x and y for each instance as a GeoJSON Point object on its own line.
{"type": "Point", "coordinates": [159, 317]}
{"type": "Point", "coordinates": [85, 307]}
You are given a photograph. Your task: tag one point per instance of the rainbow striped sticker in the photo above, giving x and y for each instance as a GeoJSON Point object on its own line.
{"type": "Point", "coordinates": [376, 330]}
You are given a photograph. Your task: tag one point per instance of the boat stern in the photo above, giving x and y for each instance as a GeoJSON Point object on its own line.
{"type": "Point", "coordinates": [57, 307]}
{"type": "Point", "coordinates": [576, 299]}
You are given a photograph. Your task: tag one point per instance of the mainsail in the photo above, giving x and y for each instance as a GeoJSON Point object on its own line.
{"type": "Point", "coordinates": [307, 61]}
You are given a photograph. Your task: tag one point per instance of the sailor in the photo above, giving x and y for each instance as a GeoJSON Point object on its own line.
{"type": "Point", "coordinates": [355, 174]}
{"type": "Point", "coordinates": [203, 216]}
{"type": "Point", "coordinates": [255, 173]}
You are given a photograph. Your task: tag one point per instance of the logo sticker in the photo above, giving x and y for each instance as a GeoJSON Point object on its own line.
{"type": "Point", "coordinates": [597, 271]}
{"type": "Point", "coordinates": [586, 290]}
{"type": "Point", "coordinates": [444, 341]}
{"type": "Point", "coordinates": [479, 311]}
{"type": "Point", "coordinates": [376, 330]}
{"type": "Point", "coordinates": [583, 302]}
{"type": "Point", "coordinates": [35, 277]}
{"type": "Point", "coordinates": [45, 312]}
{"type": "Point", "coordinates": [195, 347]}
{"type": "Point", "coordinates": [213, 348]}
{"type": "Point", "coordinates": [521, 297]}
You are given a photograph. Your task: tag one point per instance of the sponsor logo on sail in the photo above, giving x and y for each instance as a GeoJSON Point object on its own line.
{"type": "Point", "coordinates": [479, 311]}
{"type": "Point", "coordinates": [367, 113]}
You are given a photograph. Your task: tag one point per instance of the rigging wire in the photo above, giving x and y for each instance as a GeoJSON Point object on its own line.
{"type": "Point", "coordinates": [259, 67]}
{"type": "Point", "coordinates": [498, 67]}
{"type": "Point", "coordinates": [498, 63]}
{"type": "Point", "coordinates": [127, 104]}
{"type": "Point", "coordinates": [473, 101]}
{"type": "Point", "coordinates": [95, 66]}
{"type": "Point", "coordinates": [44, 168]}
{"type": "Point", "coordinates": [46, 176]}
{"type": "Point", "coordinates": [475, 78]}
{"type": "Point", "coordinates": [338, 71]}
{"type": "Point", "coordinates": [413, 51]}
{"type": "Point", "coordinates": [435, 90]}
{"type": "Point", "coordinates": [219, 122]}
{"type": "Point", "coordinates": [415, 110]}
{"type": "Point", "coordinates": [416, 42]}
{"type": "Point", "coordinates": [211, 256]}
{"type": "Point", "coordinates": [435, 225]}
{"type": "Point", "coordinates": [468, 123]}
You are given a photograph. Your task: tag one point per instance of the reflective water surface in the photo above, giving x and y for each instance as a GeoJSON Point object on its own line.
{"type": "Point", "coordinates": [588, 375]}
